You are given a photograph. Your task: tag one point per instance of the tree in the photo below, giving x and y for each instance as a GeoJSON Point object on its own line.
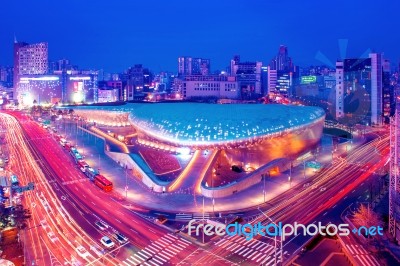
{"type": "Point", "coordinates": [20, 215]}
{"type": "Point", "coordinates": [365, 216]}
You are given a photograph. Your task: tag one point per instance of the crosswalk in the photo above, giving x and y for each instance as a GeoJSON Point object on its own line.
{"type": "Point", "coordinates": [199, 216]}
{"type": "Point", "coordinates": [254, 251]}
{"type": "Point", "coordinates": [183, 217]}
{"type": "Point", "coordinates": [360, 254]}
{"type": "Point", "coordinates": [159, 252]}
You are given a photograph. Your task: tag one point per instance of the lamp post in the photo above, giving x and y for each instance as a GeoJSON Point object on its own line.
{"type": "Point", "coordinates": [275, 240]}
{"type": "Point", "coordinates": [126, 181]}
{"type": "Point", "coordinates": [263, 177]}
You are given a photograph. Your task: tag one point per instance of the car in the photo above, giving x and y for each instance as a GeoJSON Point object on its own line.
{"type": "Point", "coordinates": [82, 252]}
{"type": "Point", "coordinates": [100, 225]}
{"type": "Point", "coordinates": [52, 236]}
{"type": "Point", "coordinates": [107, 242]}
{"type": "Point", "coordinates": [120, 238]}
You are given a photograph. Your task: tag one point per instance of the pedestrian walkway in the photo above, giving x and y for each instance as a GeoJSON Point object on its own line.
{"type": "Point", "coordinates": [252, 251]}
{"type": "Point", "coordinates": [361, 255]}
{"type": "Point", "coordinates": [159, 252]}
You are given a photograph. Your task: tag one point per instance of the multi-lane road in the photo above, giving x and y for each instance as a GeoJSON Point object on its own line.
{"type": "Point", "coordinates": [69, 192]}
{"type": "Point", "coordinates": [66, 205]}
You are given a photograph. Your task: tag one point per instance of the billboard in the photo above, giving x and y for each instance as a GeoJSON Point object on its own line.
{"type": "Point", "coordinates": [308, 79]}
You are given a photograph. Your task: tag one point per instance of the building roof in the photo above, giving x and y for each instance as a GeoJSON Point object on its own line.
{"type": "Point", "coordinates": [205, 124]}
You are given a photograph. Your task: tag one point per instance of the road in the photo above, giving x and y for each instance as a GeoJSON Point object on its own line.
{"type": "Point", "coordinates": [320, 198]}
{"type": "Point", "coordinates": [149, 244]}
{"type": "Point", "coordinates": [323, 197]}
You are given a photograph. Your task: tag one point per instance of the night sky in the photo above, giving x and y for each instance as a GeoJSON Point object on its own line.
{"type": "Point", "coordinates": [113, 35]}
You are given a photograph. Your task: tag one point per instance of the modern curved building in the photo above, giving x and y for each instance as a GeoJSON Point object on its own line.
{"type": "Point", "coordinates": [246, 135]}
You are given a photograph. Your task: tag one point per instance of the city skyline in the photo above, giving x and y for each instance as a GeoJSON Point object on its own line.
{"type": "Point", "coordinates": [256, 34]}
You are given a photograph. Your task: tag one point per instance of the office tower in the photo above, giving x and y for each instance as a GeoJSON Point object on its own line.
{"type": "Point", "coordinates": [248, 74]}
{"type": "Point", "coordinates": [193, 66]}
{"type": "Point", "coordinates": [29, 59]}
{"type": "Point", "coordinates": [359, 90]}
{"type": "Point", "coordinates": [388, 104]}
{"type": "Point", "coordinates": [272, 78]}
{"type": "Point", "coordinates": [394, 179]}
{"type": "Point", "coordinates": [282, 61]}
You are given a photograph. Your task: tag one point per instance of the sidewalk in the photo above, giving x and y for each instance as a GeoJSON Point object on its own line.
{"type": "Point", "coordinates": [183, 200]}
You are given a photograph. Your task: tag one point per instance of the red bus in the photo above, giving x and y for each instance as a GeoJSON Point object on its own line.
{"type": "Point", "coordinates": [103, 183]}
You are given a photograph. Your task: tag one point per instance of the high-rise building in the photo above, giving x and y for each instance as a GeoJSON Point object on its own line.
{"type": "Point", "coordinates": [272, 78]}
{"type": "Point", "coordinates": [359, 90]}
{"type": "Point", "coordinates": [248, 74]}
{"type": "Point", "coordinates": [207, 87]}
{"type": "Point", "coordinates": [388, 103]}
{"type": "Point", "coordinates": [193, 66]}
{"type": "Point", "coordinates": [394, 178]}
{"type": "Point", "coordinates": [282, 61]}
{"type": "Point", "coordinates": [6, 76]}
{"type": "Point", "coordinates": [29, 59]}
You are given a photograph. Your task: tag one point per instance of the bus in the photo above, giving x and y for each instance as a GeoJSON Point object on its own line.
{"type": "Point", "coordinates": [14, 180]}
{"type": "Point", "coordinates": [103, 183]}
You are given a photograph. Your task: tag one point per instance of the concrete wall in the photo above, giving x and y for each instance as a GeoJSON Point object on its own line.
{"type": "Point", "coordinates": [125, 160]}
{"type": "Point", "coordinates": [247, 181]}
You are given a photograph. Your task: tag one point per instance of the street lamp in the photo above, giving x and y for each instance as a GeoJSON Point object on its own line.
{"type": "Point", "coordinates": [263, 177]}
{"type": "Point", "coordinates": [275, 239]}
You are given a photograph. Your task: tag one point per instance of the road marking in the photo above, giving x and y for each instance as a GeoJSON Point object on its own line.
{"type": "Point", "coordinates": [137, 255]}
{"type": "Point", "coordinates": [152, 231]}
{"type": "Point", "coordinates": [240, 248]}
{"type": "Point", "coordinates": [175, 249]}
{"type": "Point", "coordinates": [359, 197]}
{"type": "Point", "coordinates": [258, 255]}
{"type": "Point", "coordinates": [185, 241]}
{"type": "Point", "coordinates": [133, 231]}
{"type": "Point", "coordinates": [245, 254]}
{"type": "Point", "coordinates": [353, 191]}
{"type": "Point", "coordinates": [93, 203]}
{"type": "Point", "coordinates": [144, 251]}
{"type": "Point", "coordinates": [165, 257]}
{"type": "Point", "coordinates": [334, 206]}
{"type": "Point", "coordinates": [118, 220]}
{"type": "Point", "coordinates": [138, 261]}
{"type": "Point", "coordinates": [164, 243]}
{"type": "Point", "coordinates": [158, 258]}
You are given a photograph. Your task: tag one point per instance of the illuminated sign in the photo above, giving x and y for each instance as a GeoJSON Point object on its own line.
{"type": "Point", "coordinates": [79, 78]}
{"type": "Point", "coordinates": [308, 79]}
{"type": "Point", "coordinates": [39, 79]}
